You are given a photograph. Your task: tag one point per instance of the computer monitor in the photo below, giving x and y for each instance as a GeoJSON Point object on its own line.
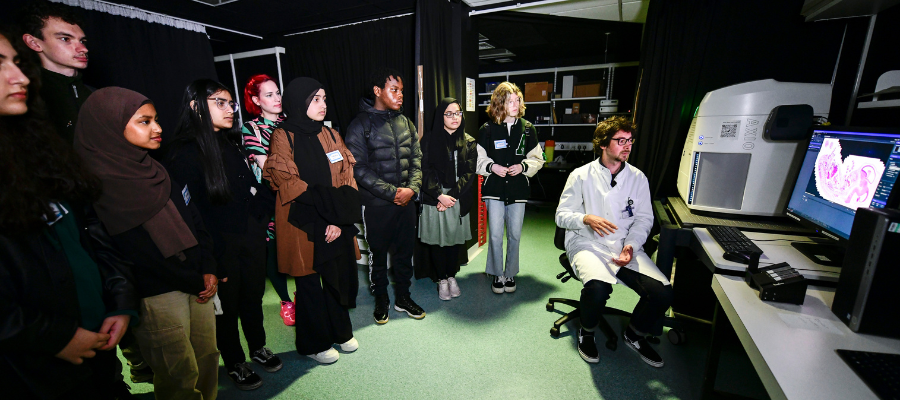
{"type": "Point", "coordinates": [843, 169]}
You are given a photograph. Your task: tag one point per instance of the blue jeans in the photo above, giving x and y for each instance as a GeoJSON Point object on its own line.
{"type": "Point", "coordinates": [511, 217]}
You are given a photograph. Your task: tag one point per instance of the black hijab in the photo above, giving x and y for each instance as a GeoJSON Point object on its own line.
{"type": "Point", "coordinates": [441, 144]}
{"type": "Point", "coordinates": [296, 99]}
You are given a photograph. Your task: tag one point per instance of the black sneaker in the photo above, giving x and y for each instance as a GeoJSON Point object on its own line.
{"type": "Point", "coordinates": [244, 377]}
{"type": "Point", "coordinates": [586, 346]}
{"type": "Point", "coordinates": [510, 285]}
{"type": "Point", "coordinates": [141, 372]}
{"type": "Point", "coordinates": [639, 345]}
{"type": "Point", "coordinates": [497, 286]}
{"type": "Point", "coordinates": [407, 305]}
{"type": "Point", "coordinates": [382, 305]}
{"type": "Point", "coordinates": [269, 361]}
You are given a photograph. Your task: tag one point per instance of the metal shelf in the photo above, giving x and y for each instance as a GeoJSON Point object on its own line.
{"type": "Point", "coordinates": [582, 98]}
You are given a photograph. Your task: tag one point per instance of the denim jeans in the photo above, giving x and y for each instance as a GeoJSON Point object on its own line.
{"type": "Point", "coordinates": [511, 217]}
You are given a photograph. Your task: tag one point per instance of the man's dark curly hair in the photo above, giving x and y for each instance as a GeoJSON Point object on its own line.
{"type": "Point", "coordinates": [608, 128]}
{"type": "Point", "coordinates": [379, 78]}
{"type": "Point", "coordinates": [36, 165]}
{"type": "Point", "coordinates": [34, 14]}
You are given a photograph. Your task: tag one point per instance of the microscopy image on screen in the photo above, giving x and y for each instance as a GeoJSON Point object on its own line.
{"type": "Point", "coordinates": [849, 181]}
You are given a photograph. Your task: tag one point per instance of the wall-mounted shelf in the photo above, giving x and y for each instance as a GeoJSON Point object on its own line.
{"type": "Point", "coordinates": [581, 98]}
{"type": "Point", "coordinates": [879, 104]}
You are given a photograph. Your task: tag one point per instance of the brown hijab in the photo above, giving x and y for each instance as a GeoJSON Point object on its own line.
{"type": "Point", "coordinates": [136, 188]}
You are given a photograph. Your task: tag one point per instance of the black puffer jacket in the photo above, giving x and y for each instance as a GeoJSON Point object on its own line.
{"type": "Point", "coordinates": [387, 158]}
{"type": "Point", "coordinates": [39, 309]}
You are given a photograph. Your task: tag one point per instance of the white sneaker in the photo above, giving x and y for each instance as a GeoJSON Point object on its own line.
{"type": "Point", "coordinates": [454, 287]}
{"type": "Point", "coordinates": [350, 345]}
{"type": "Point", "coordinates": [443, 290]}
{"type": "Point", "coordinates": [326, 357]}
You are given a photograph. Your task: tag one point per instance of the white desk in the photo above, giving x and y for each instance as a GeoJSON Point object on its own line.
{"type": "Point", "coordinates": [791, 347]}
{"type": "Point", "coordinates": [776, 251]}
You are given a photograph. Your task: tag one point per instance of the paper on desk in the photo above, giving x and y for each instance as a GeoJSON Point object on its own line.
{"type": "Point", "coordinates": [810, 323]}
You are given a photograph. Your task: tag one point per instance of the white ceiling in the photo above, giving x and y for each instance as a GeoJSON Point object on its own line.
{"type": "Point", "coordinates": [632, 10]}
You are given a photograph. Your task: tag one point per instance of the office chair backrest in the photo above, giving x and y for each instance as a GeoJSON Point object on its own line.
{"type": "Point", "coordinates": [559, 238]}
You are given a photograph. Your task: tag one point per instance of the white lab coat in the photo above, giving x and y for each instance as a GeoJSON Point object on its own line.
{"type": "Point", "coordinates": [588, 191]}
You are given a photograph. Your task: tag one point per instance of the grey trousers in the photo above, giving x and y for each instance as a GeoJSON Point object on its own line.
{"type": "Point", "coordinates": [177, 337]}
{"type": "Point", "coordinates": [511, 217]}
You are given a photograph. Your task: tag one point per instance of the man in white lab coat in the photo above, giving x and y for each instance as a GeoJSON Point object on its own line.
{"type": "Point", "coordinates": [605, 208]}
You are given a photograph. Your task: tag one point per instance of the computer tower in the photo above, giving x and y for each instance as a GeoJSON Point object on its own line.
{"type": "Point", "coordinates": [868, 291]}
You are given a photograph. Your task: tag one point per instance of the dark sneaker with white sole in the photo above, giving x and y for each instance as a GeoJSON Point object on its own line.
{"type": "Point", "coordinates": [382, 307]}
{"type": "Point", "coordinates": [497, 285]}
{"type": "Point", "coordinates": [407, 305]}
{"type": "Point", "coordinates": [269, 361]}
{"type": "Point", "coordinates": [141, 372]}
{"type": "Point", "coordinates": [510, 285]}
{"type": "Point", "coordinates": [586, 346]}
{"type": "Point", "coordinates": [244, 377]}
{"type": "Point", "coordinates": [639, 345]}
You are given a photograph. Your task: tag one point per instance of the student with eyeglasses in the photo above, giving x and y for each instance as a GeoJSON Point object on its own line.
{"type": "Point", "coordinates": [508, 155]}
{"type": "Point", "coordinates": [207, 157]}
{"type": "Point", "coordinates": [448, 177]}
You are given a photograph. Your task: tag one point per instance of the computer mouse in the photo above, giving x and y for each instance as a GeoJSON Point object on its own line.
{"type": "Point", "coordinates": [738, 257]}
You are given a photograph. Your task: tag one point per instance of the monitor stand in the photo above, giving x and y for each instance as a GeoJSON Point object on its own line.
{"type": "Point", "coordinates": [826, 254]}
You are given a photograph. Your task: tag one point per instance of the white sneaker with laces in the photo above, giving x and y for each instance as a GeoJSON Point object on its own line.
{"type": "Point", "coordinates": [326, 357]}
{"type": "Point", "coordinates": [454, 287]}
{"type": "Point", "coordinates": [350, 345]}
{"type": "Point", "coordinates": [444, 290]}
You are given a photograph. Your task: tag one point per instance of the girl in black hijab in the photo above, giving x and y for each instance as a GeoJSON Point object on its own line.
{"type": "Point", "coordinates": [317, 205]}
{"type": "Point", "coordinates": [448, 173]}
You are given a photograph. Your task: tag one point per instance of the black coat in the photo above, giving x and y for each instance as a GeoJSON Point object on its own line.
{"type": "Point", "coordinates": [157, 275]}
{"type": "Point", "coordinates": [39, 309]}
{"type": "Point", "coordinates": [386, 148]}
{"type": "Point", "coordinates": [466, 161]}
{"type": "Point", "coordinates": [183, 164]}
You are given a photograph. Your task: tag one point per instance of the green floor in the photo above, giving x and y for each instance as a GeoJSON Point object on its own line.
{"type": "Point", "coordinates": [483, 345]}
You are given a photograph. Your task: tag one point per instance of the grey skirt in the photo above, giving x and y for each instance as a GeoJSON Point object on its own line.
{"type": "Point", "coordinates": [443, 228]}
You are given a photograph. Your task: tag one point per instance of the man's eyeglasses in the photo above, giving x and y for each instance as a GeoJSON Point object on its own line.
{"type": "Point", "coordinates": [450, 114]}
{"type": "Point", "coordinates": [224, 104]}
{"type": "Point", "coordinates": [624, 141]}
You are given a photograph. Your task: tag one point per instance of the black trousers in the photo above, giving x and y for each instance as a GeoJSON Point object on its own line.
{"type": "Point", "coordinates": [105, 378]}
{"type": "Point", "coordinates": [321, 321]}
{"type": "Point", "coordinates": [647, 316]}
{"type": "Point", "coordinates": [241, 296]}
{"type": "Point", "coordinates": [445, 260]}
{"type": "Point", "coordinates": [390, 229]}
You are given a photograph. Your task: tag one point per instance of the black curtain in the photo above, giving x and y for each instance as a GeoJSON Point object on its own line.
{"type": "Point", "coordinates": [694, 46]}
{"type": "Point", "coordinates": [447, 48]}
{"type": "Point", "coordinates": [344, 58]}
{"type": "Point", "coordinates": [155, 60]}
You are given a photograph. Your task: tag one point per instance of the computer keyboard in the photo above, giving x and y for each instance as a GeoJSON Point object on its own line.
{"type": "Point", "coordinates": [881, 371]}
{"type": "Point", "coordinates": [732, 240]}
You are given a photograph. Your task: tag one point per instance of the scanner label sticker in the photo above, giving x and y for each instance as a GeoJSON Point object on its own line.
{"type": "Point", "coordinates": [730, 130]}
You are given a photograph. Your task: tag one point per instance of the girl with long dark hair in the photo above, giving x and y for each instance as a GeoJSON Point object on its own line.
{"type": "Point", "coordinates": [448, 176]}
{"type": "Point", "coordinates": [161, 232]}
{"type": "Point", "coordinates": [67, 295]}
{"type": "Point", "coordinates": [318, 204]}
{"type": "Point", "coordinates": [207, 157]}
{"type": "Point", "coordinates": [262, 99]}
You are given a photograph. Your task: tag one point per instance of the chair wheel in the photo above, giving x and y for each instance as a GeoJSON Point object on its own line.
{"type": "Point", "coordinates": [549, 306]}
{"type": "Point", "coordinates": [652, 339]}
{"type": "Point", "coordinates": [554, 331]}
{"type": "Point", "coordinates": [676, 336]}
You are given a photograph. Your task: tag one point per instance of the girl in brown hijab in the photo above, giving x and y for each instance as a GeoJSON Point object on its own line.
{"type": "Point", "coordinates": [152, 220]}
{"type": "Point", "coordinates": [317, 205]}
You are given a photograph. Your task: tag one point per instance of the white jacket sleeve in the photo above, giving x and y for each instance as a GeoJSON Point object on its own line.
{"type": "Point", "coordinates": [643, 215]}
{"type": "Point", "coordinates": [483, 162]}
{"type": "Point", "coordinates": [570, 211]}
{"type": "Point", "coordinates": [533, 161]}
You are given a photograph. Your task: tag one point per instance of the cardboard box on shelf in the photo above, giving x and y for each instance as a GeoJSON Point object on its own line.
{"type": "Point", "coordinates": [576, 108]}
{"type": "Point", "coordinates": [537, 91]}
{"type": "Point", "coordinates": [588, 89]}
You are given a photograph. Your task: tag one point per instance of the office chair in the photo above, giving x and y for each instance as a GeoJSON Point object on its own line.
{"type": "Point", "coordinates": [676, 334]}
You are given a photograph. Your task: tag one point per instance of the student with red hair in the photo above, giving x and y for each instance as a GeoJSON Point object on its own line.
{"type": "Point", "coordinates": [262, 99]}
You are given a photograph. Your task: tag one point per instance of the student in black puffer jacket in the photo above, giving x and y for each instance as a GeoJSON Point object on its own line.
{"type": "Point", "coordinates": [388, 171]}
